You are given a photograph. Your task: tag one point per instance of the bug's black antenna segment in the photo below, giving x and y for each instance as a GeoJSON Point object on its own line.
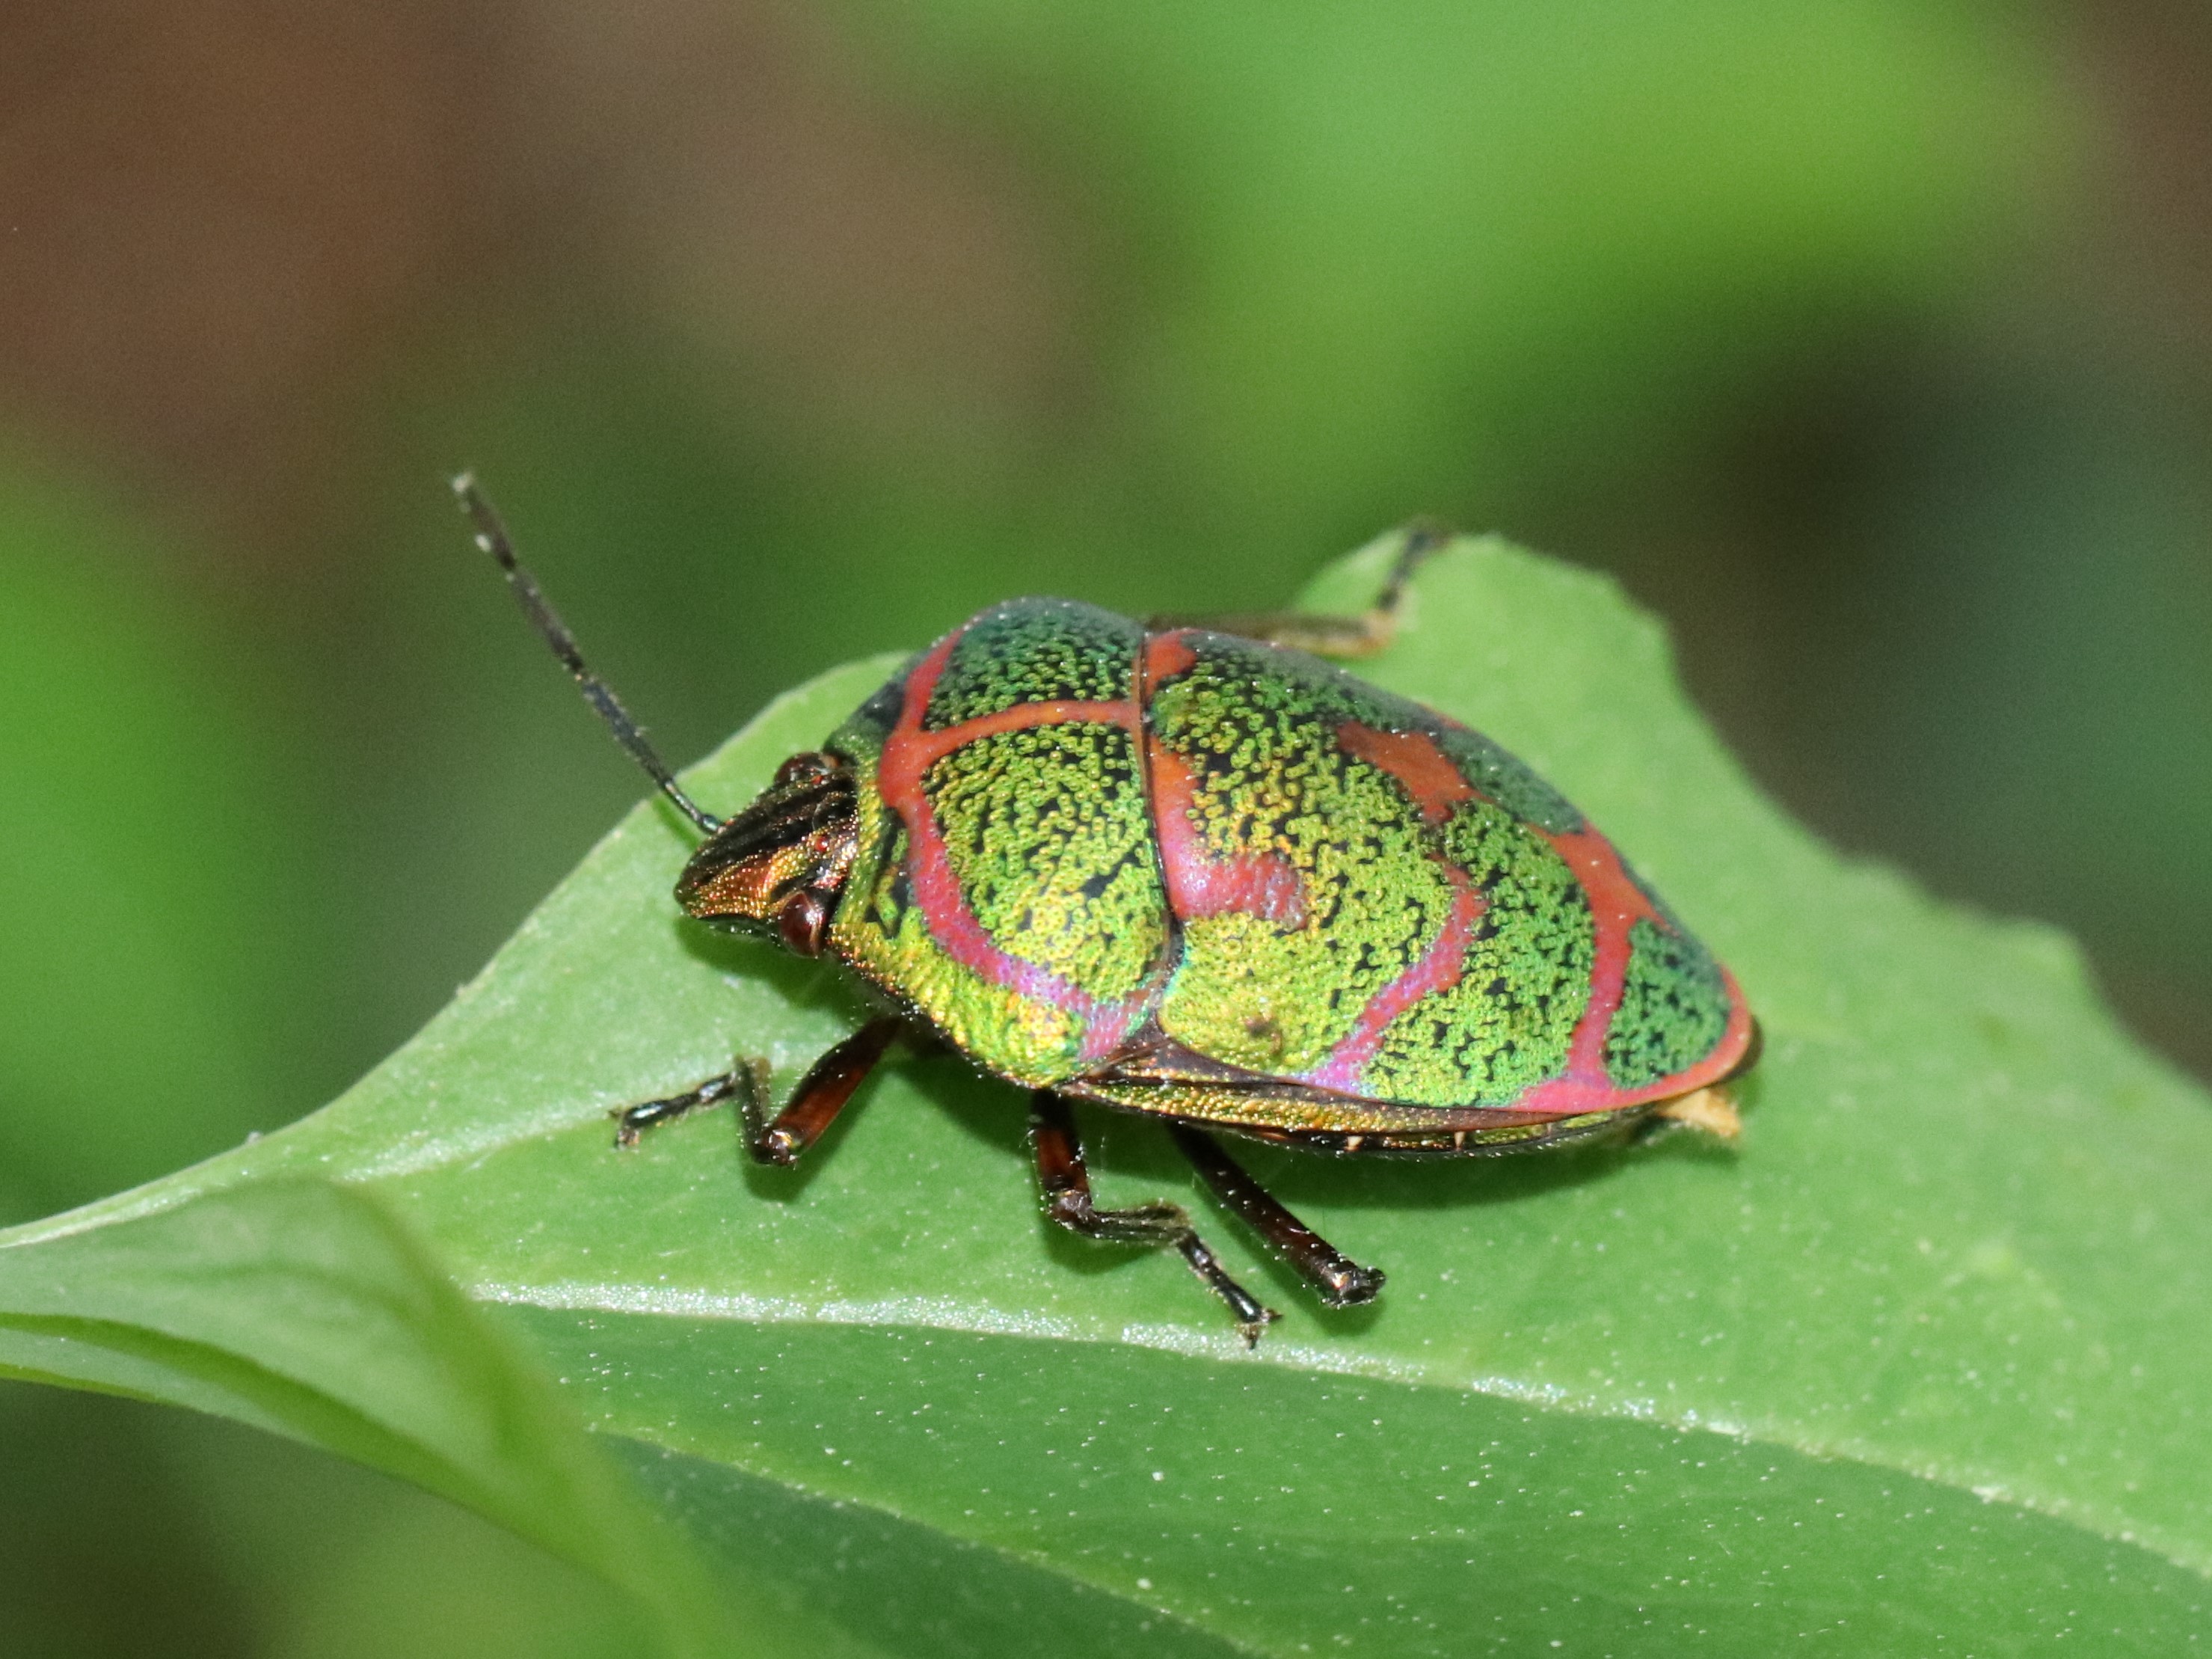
{"type": "Point", "coordinates": [491, 536]}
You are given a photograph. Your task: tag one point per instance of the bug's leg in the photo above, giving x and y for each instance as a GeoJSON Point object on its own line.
{"type": "Point", "coordinates": [747, 1080]}
{"type": "Point", "coordinates": [1332, 636]}
{"type": "Point", "coordinates": [1342, 1282]}
{"type": "Point", "coordinates": [1067, 1201]}
{"type": "Point", "coordinates": [820, 1095]}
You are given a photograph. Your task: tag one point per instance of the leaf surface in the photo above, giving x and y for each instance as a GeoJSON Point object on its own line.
{"type": "Point", "coordinates": [1923, 1362]}
{"type": "Point", "coordinates": [303, 1308]}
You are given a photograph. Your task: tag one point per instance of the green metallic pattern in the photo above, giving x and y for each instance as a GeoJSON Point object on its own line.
{"type": "Point", "coordinates": [1508, 1024]}
{"type": "Point", "coordinates": [883, 934]}
{"type": "Point", "coordinates": [1674, 1007]}
{"type": "Point", "coordinates": [1035, 651]}
{"type": "Point", "coordinates": [1045, 830]}
{"type": "Point", "coordinates": [1351, 906]}
{"type": "Point", "coordinates": [862, 737]}
{"type": "Point", "coordinates": [1049, 831]}
{"type": "Point", "coordinates": [1271, 782]}
{"type": "Point", "coordinates": [1507, 780]}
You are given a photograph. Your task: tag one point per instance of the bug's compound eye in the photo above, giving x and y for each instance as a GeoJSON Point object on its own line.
{"type": "Point", "coordinates": [802, 768]}
{"type": "Point", "coordinates": [801, 920]}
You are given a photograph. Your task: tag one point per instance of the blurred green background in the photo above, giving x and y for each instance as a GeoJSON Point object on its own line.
{"type": "Point", "coordinates": [1870, 343]}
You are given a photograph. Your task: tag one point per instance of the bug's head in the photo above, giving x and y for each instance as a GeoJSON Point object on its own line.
{"type": "Point", "coordinates": [779, 865]}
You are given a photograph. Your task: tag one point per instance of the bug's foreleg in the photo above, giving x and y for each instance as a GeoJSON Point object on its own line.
{"type": "Point", "coordinates": [820, 1095]}
{"type": "Point", "coordinates": [1066, 1184]}
{"type": "Point", "coordinates": [1342, 1282]}
{"type": "Point", "coordinates": [814, 1105]}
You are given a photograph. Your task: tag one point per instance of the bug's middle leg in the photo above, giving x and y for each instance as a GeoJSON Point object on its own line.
{"type": "Point", "coordinates": [1066, 1182]}
{"type": "Point", "coordinates": [1342, 1282]}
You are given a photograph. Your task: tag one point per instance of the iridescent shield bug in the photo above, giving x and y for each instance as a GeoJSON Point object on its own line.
{"type": "Point", "coordinates": [1197, 873]}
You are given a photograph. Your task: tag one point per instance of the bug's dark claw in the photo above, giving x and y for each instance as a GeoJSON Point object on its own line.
{"type": "Point", "coordinates": [776, 1147]}
{"type": "Point", "coordinates": [1251, 1329]}
{"type": "Point", "coordinates": [1342, 1282]}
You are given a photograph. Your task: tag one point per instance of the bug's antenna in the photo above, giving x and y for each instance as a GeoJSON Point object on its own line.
{"type": "Point", "coordinates": [491, 536]}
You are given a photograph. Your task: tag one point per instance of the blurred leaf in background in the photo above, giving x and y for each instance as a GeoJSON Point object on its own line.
{"type": "Point", "coordinates": [150, 962]}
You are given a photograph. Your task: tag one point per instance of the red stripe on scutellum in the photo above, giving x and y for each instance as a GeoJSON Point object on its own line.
{"type": "Point", "coordinates": [1200, 883]}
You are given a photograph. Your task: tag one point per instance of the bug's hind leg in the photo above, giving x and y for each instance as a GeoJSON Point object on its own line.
{"type": "Point", "coordinates": [813, 1107]}
{"type": "Point", "coordinates": [1067, 1201]}
{"type": "Point", "coordinates": [1362, 635]}
{"type": "Point", "coordinates": [1342, 1282]}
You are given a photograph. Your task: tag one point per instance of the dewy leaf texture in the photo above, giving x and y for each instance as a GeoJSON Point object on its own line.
{"type": "Point", "coordinates": [1924, 1362]}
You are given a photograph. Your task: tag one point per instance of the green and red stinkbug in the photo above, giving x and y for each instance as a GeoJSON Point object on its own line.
{"type": "Point", "coordinates": [1192, 873]}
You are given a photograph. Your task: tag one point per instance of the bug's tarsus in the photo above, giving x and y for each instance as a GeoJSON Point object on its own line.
{"type": "Point", "coordinates": [1066, 1180]}
{"type": "Point", "coordinates": [747, 1080]}
{"type": "Point", "coordinates": [1342, 1282]}
{"type": "Point", "coordinates": [1424, 538]}
{"type": "Point", "coordinates": [821, 1095]}
{"type": "Point", "coordinates": [492, 536]}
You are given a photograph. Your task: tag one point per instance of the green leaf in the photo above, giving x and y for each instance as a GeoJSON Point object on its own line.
{"type": "Point", "coordinates": [305, 1309]}
{"type": "Point", "coordinates": [1922, 1364]}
